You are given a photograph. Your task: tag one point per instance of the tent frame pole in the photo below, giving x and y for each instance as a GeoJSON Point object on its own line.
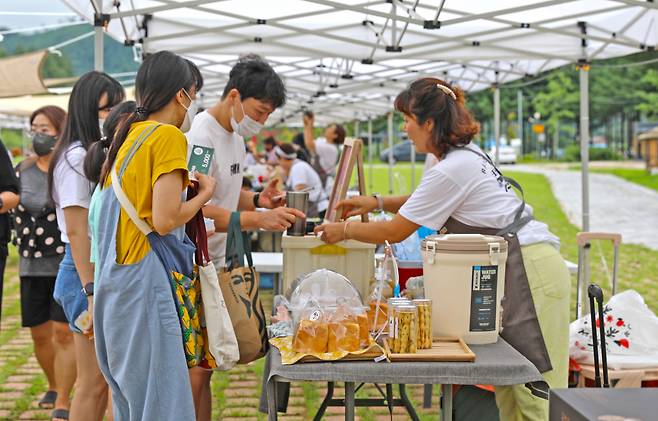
{"type": "Point", "coordinates": [99, 65]}
{"type": "Point", "coordinates": [390, 152]}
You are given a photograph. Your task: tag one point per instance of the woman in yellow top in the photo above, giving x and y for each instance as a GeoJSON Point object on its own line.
{"type": "Point", "coordinates": [138, 335]}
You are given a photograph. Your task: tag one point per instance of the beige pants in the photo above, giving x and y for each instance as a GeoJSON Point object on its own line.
{"type": "Point", "coordinates": [550, 283]}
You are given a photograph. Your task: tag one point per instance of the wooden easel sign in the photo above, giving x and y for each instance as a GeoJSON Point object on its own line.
{"type": "Point", "coordinates": [351, 155]}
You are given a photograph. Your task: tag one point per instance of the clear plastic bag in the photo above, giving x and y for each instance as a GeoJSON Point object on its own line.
{"type": "Point", "coordinates": [311, 330]}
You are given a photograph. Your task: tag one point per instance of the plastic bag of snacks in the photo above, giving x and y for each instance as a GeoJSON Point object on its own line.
{"type": "Point", "coordinates": [424, 323]}
{"type": "Point", "coordinates": [311, 331]}
{"type": "Point", "coordinates": [348, 329]}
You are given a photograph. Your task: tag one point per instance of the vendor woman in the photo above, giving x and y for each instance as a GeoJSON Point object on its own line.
{"type": "Point", "coordinates": [464, 193]}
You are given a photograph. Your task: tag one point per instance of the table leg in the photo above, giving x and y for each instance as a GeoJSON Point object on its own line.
{"type": "Point", "coordinates": [349, 401]}
{"type": "Point", "coordinates": [271, 400]}
{"type": "Point", "coordinates": [446, 408]}
{"type": "Point", "coordinates": [389, 397]}
{"type": "Point", "coordinates": [407, 403]}
{"type": "Point", "coordinates": [427, 396]}
{"type": "Point", "coordinates": [325, 402]}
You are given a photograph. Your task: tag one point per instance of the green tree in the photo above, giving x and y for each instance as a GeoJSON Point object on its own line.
{"type": "Point", "coordinates": [649, 95]}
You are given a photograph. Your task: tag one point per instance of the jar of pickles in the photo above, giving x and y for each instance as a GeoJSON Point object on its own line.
{"type": "Point", "coordinates": [392, 302]}
{"type": "Point", "coordinates": [405, 339]}
{"type": "Point", "coordinates": [424, 323]}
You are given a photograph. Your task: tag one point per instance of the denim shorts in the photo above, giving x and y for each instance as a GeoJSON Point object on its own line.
{"type": "Point", "coordinates": [68, 290]}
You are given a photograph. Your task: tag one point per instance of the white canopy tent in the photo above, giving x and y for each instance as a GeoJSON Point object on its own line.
{"type": "Point", "coordinates": [347, 59]}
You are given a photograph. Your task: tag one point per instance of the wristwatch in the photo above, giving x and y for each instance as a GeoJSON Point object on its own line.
{"type": "Point", "coordinates": [256, 197]}
{"type": "Point", "coordinates": [88, 289]}
{"type": "Point", "coordinates": [380, 202]}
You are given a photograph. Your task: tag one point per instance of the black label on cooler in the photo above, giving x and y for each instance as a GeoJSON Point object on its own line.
{"type": "Point", "coordinates": [483, 298]}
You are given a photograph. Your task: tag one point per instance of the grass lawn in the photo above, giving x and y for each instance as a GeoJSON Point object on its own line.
{"type": "Point", "coordinates": [634, 176]}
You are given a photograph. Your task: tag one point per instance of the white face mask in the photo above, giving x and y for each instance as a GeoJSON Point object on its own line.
{"type": "Point", "coordinates": [101, 123]}
{"type": "Point", "coordinates": [248, 127]}
{"type": "Point", "coordinates": [189, 115]}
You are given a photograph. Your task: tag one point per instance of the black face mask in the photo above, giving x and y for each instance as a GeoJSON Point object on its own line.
{"type": "Point", "coordinates": [43, 144]}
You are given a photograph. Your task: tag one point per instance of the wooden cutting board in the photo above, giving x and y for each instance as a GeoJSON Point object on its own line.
{"type": "Point", "coordinates": [443, 349]}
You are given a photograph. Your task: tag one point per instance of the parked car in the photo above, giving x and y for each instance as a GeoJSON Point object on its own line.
{"type": "Point", "coordinates": [507, 154]}
{"type": "Point", "coordinates": [402, 153]}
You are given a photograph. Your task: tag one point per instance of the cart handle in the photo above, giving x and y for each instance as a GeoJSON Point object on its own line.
{"type": "Point", "coordinates": [582, 238]}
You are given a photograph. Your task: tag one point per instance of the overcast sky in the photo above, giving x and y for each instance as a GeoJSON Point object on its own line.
{"type": "Point", "coordinates": [15, 20]}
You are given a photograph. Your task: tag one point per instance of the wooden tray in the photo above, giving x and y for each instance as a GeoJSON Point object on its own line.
{"type": "Point", "coordinates": [443, 349]}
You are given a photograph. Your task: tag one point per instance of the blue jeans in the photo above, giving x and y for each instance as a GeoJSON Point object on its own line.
{"type": "Point", "coordinates": [68, 290]}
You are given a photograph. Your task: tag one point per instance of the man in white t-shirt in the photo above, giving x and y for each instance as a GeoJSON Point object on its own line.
{"type": "Point", "coordinates": [252, 93]}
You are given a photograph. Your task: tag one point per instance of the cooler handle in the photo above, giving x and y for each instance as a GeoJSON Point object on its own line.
{"type": "Point", "coordinates": [464, 237]}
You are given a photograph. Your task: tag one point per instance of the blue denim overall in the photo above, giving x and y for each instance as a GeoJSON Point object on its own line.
{"type": "Point", "coordinates": [138, 335]}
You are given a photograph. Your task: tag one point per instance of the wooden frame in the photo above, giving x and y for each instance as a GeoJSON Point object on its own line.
{"type": "Point", "coordinates": [350, 156]}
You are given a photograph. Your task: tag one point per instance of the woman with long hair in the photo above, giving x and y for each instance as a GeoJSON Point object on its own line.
{"type": "Point", "coordinates": [40, 252]}
{"type": "Point", "coordinates": [138, 335]}
{"type": "Point", "coordinates": [92, 98]}
{"type": "Point", "coordinates": [464, 193]}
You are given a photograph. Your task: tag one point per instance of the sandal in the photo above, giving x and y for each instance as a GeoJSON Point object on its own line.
{"type": "Point", "coordinates": [60, 414]}
{"type": "Point", "coordinates": [48, 400]}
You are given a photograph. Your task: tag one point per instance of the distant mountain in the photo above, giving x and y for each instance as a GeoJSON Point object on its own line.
{"type": "Point", "coordinates": [77, 58]}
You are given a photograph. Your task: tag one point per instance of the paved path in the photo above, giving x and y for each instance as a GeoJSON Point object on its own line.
{"type": "Point", "coordinates": [616, 205]}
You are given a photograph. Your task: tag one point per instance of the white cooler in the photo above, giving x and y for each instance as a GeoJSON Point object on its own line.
{"type": "Point", "coordinates": [353, 259]}
{"type": "Point", "coordinates": [464, 275]}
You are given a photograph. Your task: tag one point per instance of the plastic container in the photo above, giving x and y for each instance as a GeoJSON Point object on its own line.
{"type": "Point", "coordinates": [405, 339]}
{"type": "Point", "coordinates": [352, 259]}
{"type": "Point", "coordinates": [464, 276]}
{"type": "Point", "coordinates": [424, 323]}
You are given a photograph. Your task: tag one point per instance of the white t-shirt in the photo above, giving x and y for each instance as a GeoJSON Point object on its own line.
{"type": "Point", "coordinates": [70, 186]}
{"type": "Point", "coordinates": [302, 173]}
{"type": "Point", "coordinates": [465, 186]}
{"type": "Point", "coordinates": [226, 167]}
{"type": "Point", "coordinates": [327, 154]}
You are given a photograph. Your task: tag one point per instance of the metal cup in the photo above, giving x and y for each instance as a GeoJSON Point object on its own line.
{"type": "Point", "coordinates": [299, 201]}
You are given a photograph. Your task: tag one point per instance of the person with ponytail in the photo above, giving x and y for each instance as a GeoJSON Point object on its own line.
{"type": "Point", "coordinates": [139, 341]}
{"type": "Point", "coordinates": [92, 98]}
{"type": "Point", "coordinates": [465, 193]}
{"type": "Point", "coordinates": [93, 165]}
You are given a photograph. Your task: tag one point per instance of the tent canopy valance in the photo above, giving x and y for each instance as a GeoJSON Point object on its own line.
{"type": "Point", "coordinates": [348, 58]}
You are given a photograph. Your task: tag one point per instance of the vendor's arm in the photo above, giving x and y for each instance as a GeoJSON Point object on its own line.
{"type": "Point", "coordinates": [393, 231]}
{"type": "Point", "coordinates": [278, 219]}
{"type": "Point", "coordinates": [269, 198]}
{"type": "Point", "coordinates": [361, 205]}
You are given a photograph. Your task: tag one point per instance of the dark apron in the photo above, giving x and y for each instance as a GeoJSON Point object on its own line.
{"type": "Point", "coordinates": [520, 327]}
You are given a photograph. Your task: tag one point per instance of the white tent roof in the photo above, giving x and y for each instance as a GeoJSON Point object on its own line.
{"type": "Point", "coordinates": [357, 54]}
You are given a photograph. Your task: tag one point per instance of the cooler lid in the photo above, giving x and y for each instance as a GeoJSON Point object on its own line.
{"type": "Point", "coordinates": [464, 242]}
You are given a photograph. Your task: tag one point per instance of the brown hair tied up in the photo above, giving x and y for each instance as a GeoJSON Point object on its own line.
{"type": "Point", "coordinates": [453, 123]}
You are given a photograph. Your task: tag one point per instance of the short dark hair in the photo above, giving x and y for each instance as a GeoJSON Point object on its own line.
{"type": "Point", "coordinates": [254, 78]}
{"type": "Point", "coordinates": [454, 125]}
{"type": "Point", "coordinates": [287, 148]}
{"type": "Point", "coordinates": [270, 141]}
